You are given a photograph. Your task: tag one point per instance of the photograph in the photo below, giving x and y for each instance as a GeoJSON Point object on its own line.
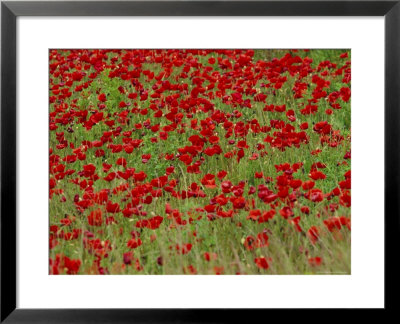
{"type": "Point", "coordinates": [199, 161]}
{"type": "Point", "coordinates": [201, 149]}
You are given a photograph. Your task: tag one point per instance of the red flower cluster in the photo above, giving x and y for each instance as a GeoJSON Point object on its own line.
{"type": "Point", "coordinates": [156, 155]}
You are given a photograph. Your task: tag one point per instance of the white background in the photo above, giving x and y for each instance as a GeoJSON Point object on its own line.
{"type": "Point", "coordinates": [363, 288]}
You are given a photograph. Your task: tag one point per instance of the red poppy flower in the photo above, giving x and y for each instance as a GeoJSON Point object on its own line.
{"type": "Point", "coordinates": [249, 242]}
{"type": "Point", "coordinates": [313, 234]}
{"type": "Point", "coordinates": [146, 158]}
{"type": "Point", "coordinates": [221, 174]}
{"type": "Point", "coordinates": [266, 216]}
{"type": "Point", "coordinates": [304, 126]}
{"type": "Point", "coordinates": [261, 263]}
{"type": "Point", "coordinates": [210, 256]}
{"type": "Point", "coordinates": [305, 209]}
{"type": "Point", "coordinates": [134, 243]}
{"type": "Point", "coordinates": [112, 208]}
{"type": "Point", "coordinates": [317, 175]}
{"type": "Point", "coordinates": [345, 199]}
{"type": "Point", "coordinates": [121, 161]}
{"type": "Point", "coordinates": [72, 265]}
{"type": "Point", "coordinates": [315, 195]}
{"type": "Point", "coordinates": [254, 214]}
{"type": "Point", "coordinates": [209, 181]}
{"type": "Point", "coordinates": [110, 176]}
{"type": "Point", "coordinates": [262, 239]}
{"type": "Point", "coordinates": [151, 223]}
{"type": "Point", "coordinates": [239, 203]}
{"type": "Point", "coordinates": [286, 212]}
{"type": "Point", "coordinates": [258, 175]}
{"type": "Point", "coordinates": [333, 223]}
{"type": "Point", "coordinates": [226, 186]}
{"type": "Point", "coordinates": [89, 170]}
{"type": "Point", "coordinates": [128, 258]}
{"type": "Point", "coordinates": [315, 262]}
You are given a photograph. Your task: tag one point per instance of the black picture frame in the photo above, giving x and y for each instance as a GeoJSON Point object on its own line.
{"type": "Point", "coordinates": [10, 10]}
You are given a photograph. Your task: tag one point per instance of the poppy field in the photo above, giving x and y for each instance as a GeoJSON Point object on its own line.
{"type": "Point", "coordinates": [199, 161]}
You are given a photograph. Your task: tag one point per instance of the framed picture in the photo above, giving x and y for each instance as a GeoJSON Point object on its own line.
{"type": "Point", "coordinates": [184, 161]}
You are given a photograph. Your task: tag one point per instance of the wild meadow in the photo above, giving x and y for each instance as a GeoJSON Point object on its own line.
{"type": "Point", "coordinates": [199, 162]}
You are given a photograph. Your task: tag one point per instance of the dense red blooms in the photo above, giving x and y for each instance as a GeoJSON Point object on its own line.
{"type": "Point", "coordinates": [199, 159]}
{"type": "Point", "coordinates": [62, 264]}
{"type": "Point", "coordinates": [151, 223]}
